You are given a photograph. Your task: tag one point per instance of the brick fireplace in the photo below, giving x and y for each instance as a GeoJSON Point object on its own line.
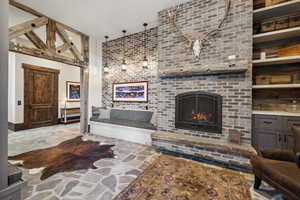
{"type": "Point", "coordinates": [216, 91]}
{"type": "Point", "coordinates": [213, 73]}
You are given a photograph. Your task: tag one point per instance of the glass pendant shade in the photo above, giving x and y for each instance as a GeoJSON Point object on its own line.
{"type": "Point", "coordinates": [124, 66]}
{"type": "Point", "coordinates": [145, 62]}
{"type": "Point", "coordinates": [106, 68]}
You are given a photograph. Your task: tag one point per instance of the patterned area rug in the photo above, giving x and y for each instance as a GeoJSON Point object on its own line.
{"type": "Point", "coordinates": [178, 179]}
{"type": "Point", "coordinates": [70, 155]}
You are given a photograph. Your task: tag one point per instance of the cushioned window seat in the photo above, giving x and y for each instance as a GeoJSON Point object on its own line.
{"type": "Point", "coordinates": [130, 125]}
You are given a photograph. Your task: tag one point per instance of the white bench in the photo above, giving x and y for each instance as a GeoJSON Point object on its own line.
{"type": "Point", "coordinates": [131, 134]}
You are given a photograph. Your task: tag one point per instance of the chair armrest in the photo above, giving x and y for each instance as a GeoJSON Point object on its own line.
{"type": "Point", "coordinates": [282, 155]}
{"type": "Point", "coordinates": [297, 159]}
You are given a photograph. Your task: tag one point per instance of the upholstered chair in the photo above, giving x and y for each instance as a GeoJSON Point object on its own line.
{"type": "Point", "coordinates": [280, 168]}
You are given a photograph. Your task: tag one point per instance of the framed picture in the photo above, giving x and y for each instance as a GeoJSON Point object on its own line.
{"type": "Point", "coordinates": [130, 92]}
{"type": "Point", "coordinates": [73, 91]}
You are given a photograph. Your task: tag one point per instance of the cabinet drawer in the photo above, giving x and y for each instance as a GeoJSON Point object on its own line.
{"type": "Point", "coordinates": [289, 123]}
{"type": "Point", "coordinates": [270, 123]}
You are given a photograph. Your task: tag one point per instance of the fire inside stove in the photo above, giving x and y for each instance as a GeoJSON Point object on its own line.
{"type": "Point", "coordinates": [201, 116]}
{"type": "Point", "coordinates": [199, 110]}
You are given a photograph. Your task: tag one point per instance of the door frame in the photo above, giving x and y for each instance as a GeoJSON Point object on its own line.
{"type": "Point", "coordinates": [26, 81]}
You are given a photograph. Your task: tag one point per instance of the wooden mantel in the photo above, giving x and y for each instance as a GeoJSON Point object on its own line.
{"type": "Point", "coordinates": [237, 67]}
{"type": "Point", "coordinates": [48, 49]}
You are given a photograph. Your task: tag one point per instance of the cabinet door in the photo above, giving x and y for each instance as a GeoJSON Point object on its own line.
{"type": "Point", "coordinates": [288, 142]}
{"type": "Point", "coordinates": [268, 140]}
{"type": "Point", "coordinates": [289, 122]}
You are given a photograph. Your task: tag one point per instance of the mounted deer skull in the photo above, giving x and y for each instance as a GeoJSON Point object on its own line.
{"type": "Point", "coordinates": [198, 44]}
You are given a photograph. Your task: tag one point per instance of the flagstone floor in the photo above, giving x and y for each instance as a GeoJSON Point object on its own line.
{"type": "Point", "coordinates": [104, 183]}
{"type": "Point", "coordinates": [111, 177]}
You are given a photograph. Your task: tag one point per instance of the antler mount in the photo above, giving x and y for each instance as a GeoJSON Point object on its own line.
{"type": "Point", "coordinates": [197, 45]}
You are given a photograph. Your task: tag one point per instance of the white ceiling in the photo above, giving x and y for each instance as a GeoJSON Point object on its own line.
{"type": "Point", "coordinates": [103, 17]}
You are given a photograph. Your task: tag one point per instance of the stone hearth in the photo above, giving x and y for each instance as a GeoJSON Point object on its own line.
{"type": "Point", "coordinates": [212, 151]}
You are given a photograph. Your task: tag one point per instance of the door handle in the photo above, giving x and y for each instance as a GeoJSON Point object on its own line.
{"type": "Point", "coordinates": [279, 138]}
{"type": "Point", "coordinates": [285, 138]}
{"type": "Point", "coordinates": [266, 122]}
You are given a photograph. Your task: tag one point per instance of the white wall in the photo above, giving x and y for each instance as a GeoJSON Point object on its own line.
{"type": "Point", "coordinates": [16, 82]}
{"type": "Point", "coordinates": [11, 87]}
{"type": "Point", "coordinates": [95, 70]}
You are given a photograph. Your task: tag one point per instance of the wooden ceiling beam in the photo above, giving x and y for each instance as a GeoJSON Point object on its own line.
{"type": "Point", "coordinates": [25, 8]}
{"type": "Point", "coordinates": [42, 54]}
{"type": "Point", "coordinates": [38, 14]}
{"type": "Point", "coordinates": [66, 27]}
{"type": "Point", "coordinates": [85, 41]}
{"type": "Point", "coordinates": [34, 38]}
{"type": "Point", "coordinates": [47, 49]}
{"type": "Point", "coordinates": [26, 27]}
{"type": "Point", "coordinates": [63, 48]}
{"type": "Point", "coordinates": [51, 34]}
{"type": "Point", "coordinates": [64, 35]}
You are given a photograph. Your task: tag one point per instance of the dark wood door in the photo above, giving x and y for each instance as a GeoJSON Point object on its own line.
{"type": "Point", "coordinates": [40, 96]}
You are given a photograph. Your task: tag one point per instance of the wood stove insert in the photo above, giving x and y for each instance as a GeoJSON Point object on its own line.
{"type": "Point", "coordinates": [199, 111]}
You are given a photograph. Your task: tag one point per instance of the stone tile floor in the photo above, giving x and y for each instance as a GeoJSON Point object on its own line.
{"type": "Point", "coordinates": [104, 183]}
{"type": "Point", "coordinates": [111, 177]}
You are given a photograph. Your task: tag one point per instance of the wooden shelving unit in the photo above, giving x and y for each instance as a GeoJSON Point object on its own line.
{"type": "Point", "coordinates": [277, 61]}
{"type": "Point", "coordinates": [276, 113]}
{"type": "Point", "coordinates": [276, 10]}
{"type": "Point", "coordinates": [259, 66]}
{"type": "Point", "coordinates": [276, 86]}
{"type": "Point", "coordinates": [276, 35]}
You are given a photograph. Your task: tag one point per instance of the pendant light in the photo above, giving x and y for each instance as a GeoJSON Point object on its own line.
{"type": "Point", "coordinates": [124, 65]}
{"type": "Point", "coordinates": [145, 60]}
{"type": "Point", "coordinates": [106, 68]}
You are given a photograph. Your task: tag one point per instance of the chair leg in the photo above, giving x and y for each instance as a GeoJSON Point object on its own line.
{"type": "Point", "coordinates": [257, 183]}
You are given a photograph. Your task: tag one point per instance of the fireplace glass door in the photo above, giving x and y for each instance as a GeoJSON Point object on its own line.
{"type": "Point", "coordinates": [199, 111]}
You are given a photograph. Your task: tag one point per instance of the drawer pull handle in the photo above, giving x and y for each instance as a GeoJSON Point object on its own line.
{"type": "Point", "coordinates": [266, 122]}
{"type": "Point", "coordinates": [279, 138]}
{"type": "Point", "coordinates": [285, 139]}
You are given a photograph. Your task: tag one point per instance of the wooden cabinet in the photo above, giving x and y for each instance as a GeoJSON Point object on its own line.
{"type": "Point", "coordinates": [273, 132]}
{"type": "Point", "coordinates": [268, 140]}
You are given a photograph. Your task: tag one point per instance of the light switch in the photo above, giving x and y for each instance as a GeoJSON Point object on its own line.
{"type": "Point", "coordinates": [232, 57]}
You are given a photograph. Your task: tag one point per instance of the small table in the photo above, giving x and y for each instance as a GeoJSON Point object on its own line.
{"type": "Point", "coordinates": [69, 115]}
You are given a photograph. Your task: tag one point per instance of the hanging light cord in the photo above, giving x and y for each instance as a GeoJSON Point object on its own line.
{"type": "Point", "coordinates": [145, 39]}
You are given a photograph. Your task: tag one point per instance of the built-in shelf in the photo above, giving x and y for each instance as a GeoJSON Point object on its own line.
{"type": "Point", "coordinates": [276, 10]}
{"type": "Point", "coordinates": [279, 113]}
{"type": "Point", "coordinates": [276, 86]}
{"type": "Point", "coordinates": [274, 61]}
{"type": "Point", "coordinates": [276, 35]}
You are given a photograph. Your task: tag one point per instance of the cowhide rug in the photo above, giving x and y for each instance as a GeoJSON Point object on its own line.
{"type": "Point", "coordinates": [175, 178]}
{"type": "Point", "coordinates": [70, 155]}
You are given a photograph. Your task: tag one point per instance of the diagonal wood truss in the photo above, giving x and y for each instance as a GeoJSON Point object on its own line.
{"type": "Point", "coordinates": [48, 49]}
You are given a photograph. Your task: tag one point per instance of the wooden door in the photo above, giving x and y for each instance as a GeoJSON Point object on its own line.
{"type": "Point", "coordinates": [40, 96]}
